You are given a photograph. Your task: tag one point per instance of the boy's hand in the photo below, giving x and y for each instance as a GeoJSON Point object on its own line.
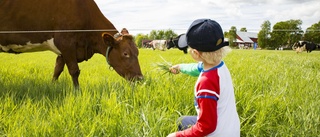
{"type": "Point", "coordinates": [175, 69]}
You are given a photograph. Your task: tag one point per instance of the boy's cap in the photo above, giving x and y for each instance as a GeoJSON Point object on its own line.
{"type": "Point", "coordinates": [182, 42]}
{"type": "Point", "coordinates": [205, 35]}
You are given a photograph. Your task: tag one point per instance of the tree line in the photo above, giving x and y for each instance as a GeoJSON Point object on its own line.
{"type": "Point", "coordinates": [284, 33]}
{"type": "Point", "coordinates": [155, 35]}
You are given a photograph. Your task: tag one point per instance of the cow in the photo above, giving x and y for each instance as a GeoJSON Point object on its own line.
{"type": "Point", "coordinates": [178, 43]}
{"type": "Point", "coordinates": [72, 29]}
{"type": "Point", "coordinates": [304, 45]}
{"type": "Point", "coordinates": [145, 44]}
{"type": "Point", "coordinates": [158, 44]}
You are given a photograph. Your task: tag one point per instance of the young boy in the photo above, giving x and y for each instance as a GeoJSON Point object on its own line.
{"type": "Point", "coordinates": [124, 31]}
{"type": "Point", "coordinates": [214, 94]}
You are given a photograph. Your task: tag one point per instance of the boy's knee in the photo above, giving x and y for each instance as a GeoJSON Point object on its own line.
{"type": "Point", "coordinates": [185, 122]}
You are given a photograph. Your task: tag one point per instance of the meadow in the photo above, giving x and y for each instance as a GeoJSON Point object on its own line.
{"type": "Point", "coordinates": [276, 94]}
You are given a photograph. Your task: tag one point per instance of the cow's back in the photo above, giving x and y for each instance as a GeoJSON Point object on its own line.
{"type": "Point", "coordinates": [40, 20]}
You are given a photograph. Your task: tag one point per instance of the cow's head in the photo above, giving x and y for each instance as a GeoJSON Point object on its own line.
{"type": "Point", "coordinates": [170, 43]}
{"type": "Point", "coordinates": [174, 42]}
{"type": "Point", "coordinates": [295, 45]}
{"type": "Point", "coordinates": [122, 54]}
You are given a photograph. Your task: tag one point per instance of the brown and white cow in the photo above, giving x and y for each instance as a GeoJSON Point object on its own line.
{"type": "Point", "coordinates": [73, 29]}
{"type": "Point", "coordinates": [158, 44]}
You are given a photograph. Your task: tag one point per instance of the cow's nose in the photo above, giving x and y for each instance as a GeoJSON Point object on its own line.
{"type": "Point", "coordinates": [136, 78]}
{"type": "Point", "coordinates": [140, 78]}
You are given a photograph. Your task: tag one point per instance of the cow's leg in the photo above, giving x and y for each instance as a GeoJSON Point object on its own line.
{"type": "Point", "coordinates": [69, 56]}
{"type": "Point", "coordinates": [74, 70]}
{"type": "Point", "coordinates": [58, 68]}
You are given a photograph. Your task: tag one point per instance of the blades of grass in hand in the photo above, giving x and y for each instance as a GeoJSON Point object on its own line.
{"type": "Point", "coordinates": [164, 66]}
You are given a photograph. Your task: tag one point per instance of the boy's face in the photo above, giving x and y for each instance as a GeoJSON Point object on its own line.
{"type": "Point", "coordinates": [123, 32]}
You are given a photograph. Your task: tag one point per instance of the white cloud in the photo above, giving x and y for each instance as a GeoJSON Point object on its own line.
{"type": "Point", "coordinates": [141, 16]}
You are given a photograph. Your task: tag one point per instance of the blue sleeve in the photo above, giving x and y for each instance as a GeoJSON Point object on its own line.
{"type": "Point", "coordinates": [192, 69]}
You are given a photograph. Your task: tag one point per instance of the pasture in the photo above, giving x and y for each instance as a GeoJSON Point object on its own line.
{"type": "Point", "coordinates": [277, 94]}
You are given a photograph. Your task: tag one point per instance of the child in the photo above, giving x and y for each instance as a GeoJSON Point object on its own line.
{"type": "Point", "coordinates": [124, 31]}
{"type": "Point", "coordinates": [214, 94]}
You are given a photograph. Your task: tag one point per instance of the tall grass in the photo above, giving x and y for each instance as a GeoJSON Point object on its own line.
{"type": "Point", "coordinates": [276, 93]}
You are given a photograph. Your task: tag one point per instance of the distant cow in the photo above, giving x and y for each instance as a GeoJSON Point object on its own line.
{"type": "Point", "coordinates": [158, 44]}
{"type": "Point", "coordinates": [145, 43]}
{"type": "Point", "coordinates": [73, 29]}
{"type": "Point", "coordinates": [304, 45]}
{"type": "Point", "coordinates": [178, 43]}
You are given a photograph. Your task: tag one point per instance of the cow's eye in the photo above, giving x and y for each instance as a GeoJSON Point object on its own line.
{"type": "Point", "coordinates": [126, 54]}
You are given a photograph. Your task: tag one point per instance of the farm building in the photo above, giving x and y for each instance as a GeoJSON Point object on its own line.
{"type": "Point", "coordinates": [246, 40]}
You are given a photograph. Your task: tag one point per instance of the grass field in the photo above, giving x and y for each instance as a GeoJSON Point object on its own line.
{"type": "Point", "coordinates": [277, 94]}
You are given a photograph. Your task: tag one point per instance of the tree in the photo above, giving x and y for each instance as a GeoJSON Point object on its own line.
{"type": "Point", "coordinates": [313, 33]}
{"type": "Point", "coordinates": [297, 33]}
{"type": "Point", "coordinates": [138, 39]}
{"type": "Point", "coordinates": [286, 33]}
{"type": "Point", "coordinates": [226, 34]}
{"type": "Point", "coordinates": [154, 34]}
{"type": "Point", "coordinates": [243, 29]}
{"type": "Point", "coordinates": [264, 34]}
{"type": "Point", "coordinates": [169, 34]}
{"type": "Point", "coordinates": [162, 34]}
{"type": "Point", "coordinates": [232, 35]}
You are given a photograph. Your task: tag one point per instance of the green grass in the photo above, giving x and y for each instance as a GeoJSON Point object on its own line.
{"type": "Point", "coordinates": [276, 93]}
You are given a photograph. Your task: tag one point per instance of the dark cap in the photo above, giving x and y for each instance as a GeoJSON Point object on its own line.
{"type": "Point", "coordinates": [205, 35]}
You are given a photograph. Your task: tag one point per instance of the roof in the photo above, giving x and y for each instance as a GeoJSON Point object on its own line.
{"type": "Point", "coordinates": [245, 36]}
{"type": "Point", "coordinates": [238, 40]}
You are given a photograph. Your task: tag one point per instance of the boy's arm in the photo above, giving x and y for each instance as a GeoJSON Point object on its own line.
{"type": "Point", "coordinates": [192, 69]}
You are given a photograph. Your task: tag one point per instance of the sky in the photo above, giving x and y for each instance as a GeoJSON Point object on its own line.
{"type": "Point", "coordinates": [142, 16]}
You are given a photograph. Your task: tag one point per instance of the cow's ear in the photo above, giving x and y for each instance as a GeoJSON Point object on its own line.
{"type": "Point", "coordinates": [108, 39]}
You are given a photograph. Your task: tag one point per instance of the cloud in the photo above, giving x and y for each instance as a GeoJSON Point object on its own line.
{"type": "Point", "coordinates": [141, 16]}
